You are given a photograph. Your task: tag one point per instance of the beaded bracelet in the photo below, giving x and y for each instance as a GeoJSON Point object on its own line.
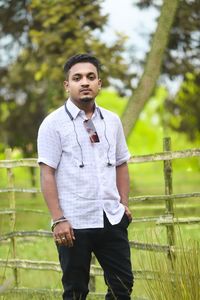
{"type": "Point", "coordinates": [56, 222]}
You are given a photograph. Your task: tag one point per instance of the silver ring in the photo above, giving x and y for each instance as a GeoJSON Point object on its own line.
{"type": "Point", "coordinates": [63, 238]}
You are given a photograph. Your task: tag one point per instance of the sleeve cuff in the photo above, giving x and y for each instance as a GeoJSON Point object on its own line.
{"type": "Point", "coordinates": [47, 162]}
{"type": "Point", "coordinates": [123, 160]}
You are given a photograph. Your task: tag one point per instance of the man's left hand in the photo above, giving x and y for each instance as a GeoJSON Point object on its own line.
{"type": "Point", "coordinates": [128, 213]}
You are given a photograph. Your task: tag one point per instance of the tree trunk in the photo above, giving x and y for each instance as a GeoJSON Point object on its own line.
{"type": "Point", "coordinates": [152, 67]}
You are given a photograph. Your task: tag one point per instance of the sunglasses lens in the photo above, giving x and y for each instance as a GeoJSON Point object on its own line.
{"type": "Point", "coordinates": [89, 125]}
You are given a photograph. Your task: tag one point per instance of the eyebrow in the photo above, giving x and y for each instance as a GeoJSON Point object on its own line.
{"type": "Point", "coordinates": [80, 74]}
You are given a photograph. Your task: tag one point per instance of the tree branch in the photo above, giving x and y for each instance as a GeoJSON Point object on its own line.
{"type": "Point", "coordinates": [152, 68]}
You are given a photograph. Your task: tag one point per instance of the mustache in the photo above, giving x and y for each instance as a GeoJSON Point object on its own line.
{"type": "Point", "coordinates": [85, 89]}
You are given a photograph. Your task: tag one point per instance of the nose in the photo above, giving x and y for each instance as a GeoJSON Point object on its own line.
{"type": "Point", "coordinates": [85, 81]}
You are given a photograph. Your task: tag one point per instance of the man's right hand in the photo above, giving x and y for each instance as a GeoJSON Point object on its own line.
{"type": "Point", "coordinates": [63, 234]}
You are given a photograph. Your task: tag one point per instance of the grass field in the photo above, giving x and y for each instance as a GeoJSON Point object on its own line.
{"type": "Point", "coordinates": [146, 179]}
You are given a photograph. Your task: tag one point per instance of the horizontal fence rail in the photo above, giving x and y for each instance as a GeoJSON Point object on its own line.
{"type": "Point", "coordinates": [25, 162]}
{"type": "Point", "coordinates": [160, 156]}
{"type": "Point", "coordinates": [53, 266]}
{"type": "Point", "coordinates": [48, 234]}
{"type": "Point", "coordinates": [22, 210]}
{"type": "Point", "coordinates": [20, 190]}
{"type": "Point", "coordinates": [164, 197]}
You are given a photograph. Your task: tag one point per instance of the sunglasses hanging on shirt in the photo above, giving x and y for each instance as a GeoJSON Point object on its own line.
{"type": "Point", "coordinates": [89, 126]}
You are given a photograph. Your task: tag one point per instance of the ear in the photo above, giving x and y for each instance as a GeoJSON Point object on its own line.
{"type": "Point", "coordinates": [66, 84]}
{"type": "Point", "coordinates": [100, 84]}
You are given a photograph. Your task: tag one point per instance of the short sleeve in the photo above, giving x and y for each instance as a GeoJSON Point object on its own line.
{"type": "Point", "coordinates": [49, 145]}
{"type": "Point", "coordinates": [122, 152]}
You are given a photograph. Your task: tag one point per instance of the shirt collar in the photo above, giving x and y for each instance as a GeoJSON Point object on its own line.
{"type": "Point", "coordinates": [75, 111]}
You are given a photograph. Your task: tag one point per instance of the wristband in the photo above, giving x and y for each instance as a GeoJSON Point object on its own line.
{"type": "Point", "coordinates": [56, 222]}
{"type": "Point", "coordinates": [61, 218]}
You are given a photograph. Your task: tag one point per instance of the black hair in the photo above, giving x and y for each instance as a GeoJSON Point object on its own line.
{"type": "Point", "coordinates": [78, 58]}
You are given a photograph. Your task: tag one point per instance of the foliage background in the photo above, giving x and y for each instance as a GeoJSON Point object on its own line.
{"type": "Point", "coordinates": [39, 36]}
{"type": "Point", "coordinates": [45, 33]}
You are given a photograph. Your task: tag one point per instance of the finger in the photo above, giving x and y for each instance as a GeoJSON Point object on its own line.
{"type": "Point", "coordinates": [129, 215]}
{"type": "Point", "coordinates": [127, 211]}
{"type": "Point", "coordinates": [58, 240]}
{"type": "Point", "coordinates": [69, 240]}
{"type": "Point", "coordinates": [72, 233]}
{"type": "Point", "coordinates": [64, 241]}
{"type": "Point", "coordinates": [69, 243]}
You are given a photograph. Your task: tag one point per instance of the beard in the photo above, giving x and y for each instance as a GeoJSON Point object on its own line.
{"type": "Point", "coordinates": [87, 99]}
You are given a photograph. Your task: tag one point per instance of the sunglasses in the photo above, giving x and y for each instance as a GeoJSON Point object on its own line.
{"type": "Point", "coordinates": [89, 126]}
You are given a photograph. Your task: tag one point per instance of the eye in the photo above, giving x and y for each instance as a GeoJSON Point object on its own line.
{"type": "Point", "coordinates": [91, 77]}
{"type": "Point", "coordinates": [76, 78]}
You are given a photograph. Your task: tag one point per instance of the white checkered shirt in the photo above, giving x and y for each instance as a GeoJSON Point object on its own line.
{"type": "Point", "coordinates": [84, 193]}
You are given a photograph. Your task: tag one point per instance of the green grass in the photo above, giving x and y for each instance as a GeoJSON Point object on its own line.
{"type": "Point", "coordinates": [146, 179]}
{"type": "Point", "coordinates": [175, 279]}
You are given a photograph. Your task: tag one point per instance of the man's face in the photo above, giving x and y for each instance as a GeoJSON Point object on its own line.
{"type": "Point", "coordinates": [83, 83]}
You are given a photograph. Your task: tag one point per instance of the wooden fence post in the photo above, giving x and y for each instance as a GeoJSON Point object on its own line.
{"type": "Point", "coordinates": [12, 204]}
{"type": "Point", "coordinates": [92, 283]}
{"type": "Point", "coordinates": [169, 203]}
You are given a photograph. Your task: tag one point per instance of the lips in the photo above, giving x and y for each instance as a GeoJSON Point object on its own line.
{"type": "Point", "coordinates": [85, 90]}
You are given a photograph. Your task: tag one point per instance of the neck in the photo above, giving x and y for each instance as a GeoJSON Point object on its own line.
{"type": "Point", "coordinates": [88, 109]}
{"type": "Point", "coordinates": [87, 106]}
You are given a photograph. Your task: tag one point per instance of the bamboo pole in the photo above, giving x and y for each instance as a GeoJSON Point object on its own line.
{"type": "Point", "coordinates": [169, 203]}
{"type": "Point", "coordinates": [20, 190]}
{"type": "Point", "coordinates": [23, 233]}
{"type": "Point", "coordinates": [92, 283]}
{"type": "Point", "coordinates": [25, 162]}
{"type": "Point", "coordinates": [163, 197]}
{"type": "Point", "coordinates": [169, 155]}
{"type": "Point", "coordinates": [12, 205]}
{"type": "Point", "coordinates": [55, 267]}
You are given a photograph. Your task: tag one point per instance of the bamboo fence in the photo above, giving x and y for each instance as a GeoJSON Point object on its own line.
{"type": "Point", "coordinates": [168, 220]}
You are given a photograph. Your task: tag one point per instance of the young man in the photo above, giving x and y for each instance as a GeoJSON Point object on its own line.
{"type": "Point", "coordinates": [85, 182]}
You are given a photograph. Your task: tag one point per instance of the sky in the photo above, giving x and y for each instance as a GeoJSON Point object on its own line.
{"type": "Point", "coordinates": [132, 21]}
{"type": "Point", "coordinates": [137, 24]}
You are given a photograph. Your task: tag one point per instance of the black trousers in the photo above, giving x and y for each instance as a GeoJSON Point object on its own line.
{"type": "Point", "coordinates": [111, 248]}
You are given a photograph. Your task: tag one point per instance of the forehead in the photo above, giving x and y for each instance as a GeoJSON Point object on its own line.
{"type": "Point", "coordinates": [82, 68]}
